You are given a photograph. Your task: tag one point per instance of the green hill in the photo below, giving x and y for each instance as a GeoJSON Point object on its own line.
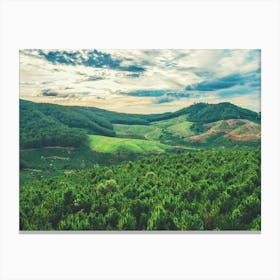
{"type": "Point", "coordinates": [38, 130]}
{"type": "Point", "coordinates": [55, 125]}
{"type": "Point", "coordinates": [51, 125]}
{"type": "Point", "coordinates": [203, 112]}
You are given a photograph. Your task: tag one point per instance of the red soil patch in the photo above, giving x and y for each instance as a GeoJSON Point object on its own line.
{"type": "Point", "coordinates": [201, 137]}
{"type": "Point", "coordinates": [244, 137]}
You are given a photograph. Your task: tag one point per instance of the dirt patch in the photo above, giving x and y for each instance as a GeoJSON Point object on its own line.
{"type": "Point", "coordinates": [57, 157]}
{"type": "Point", "coordinates": [201, 137]}
{"type": "Point", "coordinates": [33, 170]}
{"type": "Point", "coordinates": [244, 137]}
{"type": "Point", "coordinates": [69, 171]}
{"type": "Point", "coordinates": [68, 149]}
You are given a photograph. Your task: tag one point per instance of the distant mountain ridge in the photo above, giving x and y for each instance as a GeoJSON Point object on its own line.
{"type": "Point", "coordinates": [203, 112]}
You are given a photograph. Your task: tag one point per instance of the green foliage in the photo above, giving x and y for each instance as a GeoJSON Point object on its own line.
{"type": "Point", "coordinates": [202, 112]}
{"type": "Point", "coordinates": [53, 125]}
{"type": "Point", "coordinates": [78, 118]}
{"type": "Point", "coordinates": [51, 161]}
{"type": "Point", "coordinates": [150, 132]}
{"type": "Point", "coordinates": [120, 118]}
{"type": "Point", "coordinates": [38, 130]}
{"type": "Point", "coordinates": [207, 190]}
{"type": "Point", "coordinates": [198, 128]}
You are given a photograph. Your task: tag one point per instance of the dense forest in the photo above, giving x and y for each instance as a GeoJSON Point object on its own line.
{"type": "Point", "coordinates": [84, 168]}
{"type": "Point", "coordinates": [209, 190]}
{"type": "Point", "coordinates": [39, 130]}
{"type": "Point", "coordinates": [203, 112]}
{"type": "Point", "coordinates": [51, 125]}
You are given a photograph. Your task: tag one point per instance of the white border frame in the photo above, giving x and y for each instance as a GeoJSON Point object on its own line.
{"type": "Point", "coordinates": [155, 24]}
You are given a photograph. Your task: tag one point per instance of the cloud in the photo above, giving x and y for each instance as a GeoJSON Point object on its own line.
{"type": "Point", "coordinates": [172, 96]}
{"type": "Point", "coordinates": [154, 80]}
{"type": "Point", "coordinates": [94, 78]}
{"type": "Point", "coordinates": [220, 83]}
{"type": "Point", "coordinates": [147, 93]}
{"type": "Point", "coordinates": [133, 75]}
{"type": "Point", "coordinates": [164, 99]}
{"type": "Point", "coordinates": [49, 93]}
{"type": "Point", "coordinates": [233, 80]}
{"type": "Point", "coordinates": [89, 58]}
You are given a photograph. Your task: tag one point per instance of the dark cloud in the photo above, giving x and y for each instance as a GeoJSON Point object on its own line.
{"type": "Point", "coordinates": [180, 94]}
{"type": "Point", "coordinates": [94, 78]}
{"type": "Point", "coordinates": [234, 92]}
{"type": "Point", "coordinates": [49, 93]}
{"type": "Point", "coordinates": [133, 75]}
{"type": "Point", "coordinates": [171, 96]}
{"type": "Point", "coordinates": [164, 99]}
{"type": "Point", "coordinates": [147, 93]}
{"type": "Point", "coordinates": [221, 83]}
{"type": "Point", "coordinates": [226, 82]}
{"type": "Point", "coordinates": [162, 96]}
{"type": "Point", "coordinates": [132, 68]}
{"type": "Point", "coordinates": [94, 58]}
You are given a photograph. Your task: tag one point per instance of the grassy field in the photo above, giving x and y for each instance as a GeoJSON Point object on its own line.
{"type": "Point", "coordinates": [106, 144]}
{"type": "Point", "coordinates": [148, 132]}
{"type": "Point", "coordinates": [178, 127]}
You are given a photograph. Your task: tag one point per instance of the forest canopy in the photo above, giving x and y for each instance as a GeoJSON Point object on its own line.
{"type": "Point", "coordinates": [208, 190]}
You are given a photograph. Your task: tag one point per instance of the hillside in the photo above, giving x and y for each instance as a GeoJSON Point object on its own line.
{"type": "Point", "coordinates": [38, 130]}
{"type": "Point", "coordinates": [51, 125]}
{"type": "Point", "coordinates": [240, 130]}
{"type": "Point", "coordinates": [203, 112]}
{"type": "Point", "coordinates": [200, 124]}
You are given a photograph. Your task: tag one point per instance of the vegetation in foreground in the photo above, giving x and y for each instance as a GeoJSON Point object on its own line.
{"type": "Point", "coordinates": [207, 190]}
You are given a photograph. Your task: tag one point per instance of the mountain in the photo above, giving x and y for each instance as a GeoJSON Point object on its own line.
{"type": "Point", "coordinates": [203, 112]}
{"type": "Point", "coordinates": [201, 124]}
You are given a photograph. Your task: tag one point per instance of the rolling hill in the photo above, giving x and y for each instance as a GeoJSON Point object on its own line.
{"type": "Point", "coordinates": [203, 112]}
{"type": "Point", "coordinates": [201, 124]}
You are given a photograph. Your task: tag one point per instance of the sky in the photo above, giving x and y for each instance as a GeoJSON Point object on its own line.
{"type": "Point", "coordinates": [142, 80]}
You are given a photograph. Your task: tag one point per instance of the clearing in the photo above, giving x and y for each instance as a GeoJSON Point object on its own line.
{"type": "Point", "coordinates": [106, 144]}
